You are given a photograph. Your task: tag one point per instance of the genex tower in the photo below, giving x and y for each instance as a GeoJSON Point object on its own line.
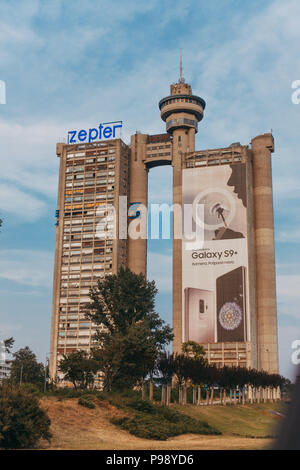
{"type": "Point", "coordinates": [224, 292]}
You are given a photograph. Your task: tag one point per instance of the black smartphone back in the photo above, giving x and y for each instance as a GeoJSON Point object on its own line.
{"type": "Point", "coordinates": [231, 306]}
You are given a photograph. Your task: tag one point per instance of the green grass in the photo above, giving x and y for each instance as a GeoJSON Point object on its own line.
{"type": "Point", "coordinates": [252, 420]}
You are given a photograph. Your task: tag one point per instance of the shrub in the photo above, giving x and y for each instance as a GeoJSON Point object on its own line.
{"type": "Point", "coordinates": [142, 405]}
{"type": "Point", "coordinates": [32, 388]}
{"type": "Point", "coordinates": [161, 427]}
{"type": "Point", "coordinates": [65, 392]}
{"type": "Point", "coordinates": [22, 421]}
{"type": "Point", "coordinates": [158, 422]}
{"type": "Point", "coordinates": [87, 402]}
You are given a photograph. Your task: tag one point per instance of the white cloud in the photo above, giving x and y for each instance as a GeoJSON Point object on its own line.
{"type": "Point", "coordinates": [290, 236]}
{"type": "Point", "coordinates": [19, 203]}
{"type": "Point", "coordinates": [288, 286]}
{"type": "Point", "coordinates": [28, 164]}
{"type": "Point", "coordinates": [27, 267]}
{"type": "Point", "coordinates": [9, 34]}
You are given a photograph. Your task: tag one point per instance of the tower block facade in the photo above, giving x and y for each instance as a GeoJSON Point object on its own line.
{"type": "Point", "coordinates": [228, 306]}
{"type": "Point", "coordinates": [223, 288]}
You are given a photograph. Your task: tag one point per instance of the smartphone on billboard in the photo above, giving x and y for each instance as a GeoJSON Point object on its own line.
{"type": "Point", "coordinates": [231, 306]}
{"type": "Point", "coordinates": [199, 316]}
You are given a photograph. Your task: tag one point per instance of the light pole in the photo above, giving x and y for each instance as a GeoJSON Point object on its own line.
{"type": "Point", "coordinates": [45, 371]}
{"type": "Point", "coordinates": [45, 376]}
{"type": "Point", "coordinates": [21, 374]}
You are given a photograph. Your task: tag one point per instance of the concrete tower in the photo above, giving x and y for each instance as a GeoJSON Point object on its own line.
{"type": "Point", "coordinates": [181, 111]}
{"type": "Point", "coordinates": [138, 198]}
{"type": "Point", "coordinates": [262, 146]}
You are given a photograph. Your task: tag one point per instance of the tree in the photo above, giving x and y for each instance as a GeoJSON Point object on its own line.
{"type": "Point", "coordinates": [193, 349]}
{"type": "Point", "coordinates": [79, 367]}
{"type": "Point", "coordinates": [22, 421]}
{"type": "Point", "coordinates": [25, 368]}
{"type": "Point", "coordinates": [181, 363]}
{"type": "Point", "coordinates": [166, 366]}
{"type": "Point", "coordinates": [8, 344]}
{"type": "Point", "coordinates": [130, 334]}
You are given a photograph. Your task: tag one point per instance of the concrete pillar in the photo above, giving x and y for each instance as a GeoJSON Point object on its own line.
{"type": "Point", "coordinates": [194, 396]}
{"type": "Point", "coordinates": [180, 144]}
{"type": "Point", "coordinates": [168, 401]}
{"type": "Point", "coordinates": [180, 395]}
{"type": "Point", "coordinates": [199, 395]}
{"type": "Point", "coordinates": [212, 396]}
{"type": "Point", "coordinates": [278, 393]}
{"type": "Point", "coordinates": [151, 390]}
{"type": "Point", "coordinates": [184, 394]}
{"type": "Point", "coordinates": [163, 394]}
{"type": "Point", "coordinates": [250, 394]}
{"type": "Point", "coordinates": [267, 341]}
{"type": "Point", "coordinates": [137, 249]}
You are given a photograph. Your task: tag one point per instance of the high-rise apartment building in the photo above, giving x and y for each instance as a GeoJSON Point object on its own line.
{"type": "Point", "coordinates": [4, 363]}
{"type": "Point", "coordinates": [224, 293]}
{"type": "Point", "coordinates": [91, 176]}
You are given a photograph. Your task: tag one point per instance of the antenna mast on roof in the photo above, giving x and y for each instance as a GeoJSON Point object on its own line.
{"type": "Point", "coordinates": [181, 79]}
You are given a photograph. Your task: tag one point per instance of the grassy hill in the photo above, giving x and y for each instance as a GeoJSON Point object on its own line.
{"type": "Point", "coordinates": [106, 425]}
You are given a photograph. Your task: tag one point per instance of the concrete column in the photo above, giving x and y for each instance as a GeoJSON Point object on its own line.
{"type": "Point", "coordinates": [180, 143]}
{"type": "Point", "coordinates": [151, 390]}
{"type": "Point", "coordinates": [163, 394]}
{"type": "Point", "coordinates": [262, 146]}
{"type": "Point", "coordinates": [60, 151]}
{"type": "Point", "coordinates": [199, 395]}
{"type": "Point", "coordinates": [183, 141]}
{"type": "Point", "coordinates": [278, 393]}
{"type": "Point", "coordinates": [137, 249]}
{"type": "Point", "coordinates": [168, 400]}
{"type": "Point", "coordinates": [250, 394]}
{"type": "Point", "coordinates": [191, 140]}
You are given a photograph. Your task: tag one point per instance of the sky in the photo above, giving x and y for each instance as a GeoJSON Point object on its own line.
{"type": "Point", "coordinates": [75, 64]}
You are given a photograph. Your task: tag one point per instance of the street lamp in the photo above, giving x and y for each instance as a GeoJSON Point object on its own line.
{"type": "Point", "coordinates": [45, 371]}
{"type": "Point", "coordinates": [21, 374]}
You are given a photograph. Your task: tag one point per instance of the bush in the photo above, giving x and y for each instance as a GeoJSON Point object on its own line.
{"type": "Point", "coordinates": [156, 421]}
{"type": "Point", "coordinates": [65, 392]}
{"type": "Point", "coordinates": [162, 425]}
{"type": "Point", "coordinates": [32, 388]}
{"type": "Point", "coordinates": [142, 405]}
{"type": "Point", "coordinates": [22, 421]}
{"type": "Point", "coordinates": [87, 402]}
{"type": "Point", "coordinates": [120, 399]}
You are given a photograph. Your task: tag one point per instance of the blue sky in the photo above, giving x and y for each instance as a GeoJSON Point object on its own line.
{"type": "Point", "coordinates": [74, 64]}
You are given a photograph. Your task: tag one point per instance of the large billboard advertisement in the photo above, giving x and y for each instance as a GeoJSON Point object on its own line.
{"type": "Point", "coordinates": [215, 271]}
